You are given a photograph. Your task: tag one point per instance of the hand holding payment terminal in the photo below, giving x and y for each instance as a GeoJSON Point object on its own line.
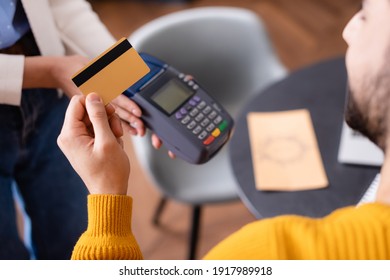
{"type": "Point", "coordinates": [190, 123]}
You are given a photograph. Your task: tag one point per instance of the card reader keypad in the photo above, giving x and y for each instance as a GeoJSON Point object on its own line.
{"type": "Point", "coordinates": [202, 119]}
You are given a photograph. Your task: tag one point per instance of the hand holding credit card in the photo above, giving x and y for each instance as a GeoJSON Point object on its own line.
{"type": "Point", "coordinates": [112, 72]}
{"type": "Point", "coordinates": [170, 103]}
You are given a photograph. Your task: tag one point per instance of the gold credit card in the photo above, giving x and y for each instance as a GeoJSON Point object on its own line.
{"type": "Point", "coordinates": [112, 72]}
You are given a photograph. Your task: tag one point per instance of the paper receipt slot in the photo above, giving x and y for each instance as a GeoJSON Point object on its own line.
{"type": "Point", "coordinates": [175, 107]}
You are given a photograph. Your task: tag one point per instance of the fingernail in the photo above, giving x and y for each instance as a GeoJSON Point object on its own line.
{"type": "Point", "coordinates": [136, 112]}
{"type": "Point", "coordinates": [93, 97]}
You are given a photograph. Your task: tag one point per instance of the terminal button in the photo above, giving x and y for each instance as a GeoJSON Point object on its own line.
{"type": "Point", "coordinates": [178, 115]}
{"type": "Point", "coordinates": [201, 105]}
{"type": "Point", "coordinates": [212, 115]}
{"type": "Point", "coordinates": [210, 127]}
{"type": "Point", "coordinates": [223, 125]}
{"type": "Point", "coordinates": [207, 110]}
{"type": "Point", "coordinates": [191, 125]}
{"type": "Point", "coordinates": [199, 117]}
{"type": "Point", "coordinates": [197, 130]}
{"type": "Point", "coordinates": [194, 112]}
{"type": "Point", "coordinates": [218, 120]}
{"type": "Point", "coordinates": [202, 135]}
{"type": "Point", "coordinates": [209, 140]}
{"type": "Point", "coordinates": [216, 132]}
{"type": "Point", "coordinates": [205, 122]}
{"type": "Point", "coordinates": [186, 120]}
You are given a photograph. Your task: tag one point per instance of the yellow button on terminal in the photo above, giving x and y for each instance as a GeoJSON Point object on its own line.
{"type": "Point", "coordinates": [216, 132]}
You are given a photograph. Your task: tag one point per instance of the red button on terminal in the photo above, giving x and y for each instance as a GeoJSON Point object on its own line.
{"type": "Point", "coordinates": [209, 140]}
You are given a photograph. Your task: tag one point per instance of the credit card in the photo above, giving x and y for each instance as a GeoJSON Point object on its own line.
{"type": "Point", "coordinates": [112, 72]}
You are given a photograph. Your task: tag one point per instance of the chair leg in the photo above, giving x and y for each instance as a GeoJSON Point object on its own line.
{"type": "Point", "coordinates": [159, 209]}
{"type": "Point", "coordinates": [194, 232]}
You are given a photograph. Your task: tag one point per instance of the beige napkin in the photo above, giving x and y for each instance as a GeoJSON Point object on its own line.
{"type": "Point", "coordinates": [285, 152]}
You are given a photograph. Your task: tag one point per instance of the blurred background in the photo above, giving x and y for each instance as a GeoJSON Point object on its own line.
{"type": "Point", "coordinates": [302, 32]}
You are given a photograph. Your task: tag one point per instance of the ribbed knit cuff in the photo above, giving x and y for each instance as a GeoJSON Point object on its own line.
{"type": "Point", "coordinates": [109, 235]}
{"type": "Point", "coordinates": [109, 215]}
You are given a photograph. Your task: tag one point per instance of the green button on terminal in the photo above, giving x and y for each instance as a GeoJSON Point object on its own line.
{"type": "Point", "coordinates": [223, 126]}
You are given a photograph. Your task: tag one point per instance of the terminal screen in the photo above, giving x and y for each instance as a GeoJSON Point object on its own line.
{"type": "Point", "coordinates": [171, 96]}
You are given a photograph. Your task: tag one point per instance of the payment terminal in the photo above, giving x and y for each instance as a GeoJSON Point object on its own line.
{"type": "Point", "coordinates": [179, 111]}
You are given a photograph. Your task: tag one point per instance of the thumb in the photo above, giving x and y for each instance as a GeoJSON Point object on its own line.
{"type": "Point", "coordinates": [98, 117]}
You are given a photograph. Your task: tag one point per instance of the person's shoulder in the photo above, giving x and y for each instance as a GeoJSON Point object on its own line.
{"type": "Point", "coordinates": [348, 213]}
{"type": "Point", "coordinates": [377, 209]}
{"type": "Point", "coordinates": [358, 215]}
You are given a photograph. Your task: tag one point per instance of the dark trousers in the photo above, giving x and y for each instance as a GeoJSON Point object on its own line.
{"type": "Point", "coordinates": [53, 194]}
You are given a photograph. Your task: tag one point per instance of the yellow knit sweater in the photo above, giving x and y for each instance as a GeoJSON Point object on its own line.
{"type": "Point", "coordinates": [350, 233]}
{"type": "Point", "coordinates": [109, 235]}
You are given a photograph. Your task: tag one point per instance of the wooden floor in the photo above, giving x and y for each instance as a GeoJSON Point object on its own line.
{"type": "Point", "coordinates": [303, 32]}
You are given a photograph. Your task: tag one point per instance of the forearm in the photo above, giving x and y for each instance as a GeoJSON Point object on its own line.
{"type": "Point", "coordinates": [52, 72]}
{"type": "Point", "coordinates": [38, 72]}
{"type": "Point", "coordinates": [109, 234]}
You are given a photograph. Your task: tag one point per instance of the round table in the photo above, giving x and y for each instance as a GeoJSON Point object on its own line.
{"type": "Point", "coordinates": [320, 88]}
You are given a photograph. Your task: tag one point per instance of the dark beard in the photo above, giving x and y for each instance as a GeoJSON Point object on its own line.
{"type": "Point", "coordinates": [359, 121]}
{"type": "Point", "coordinates": [353, 115]}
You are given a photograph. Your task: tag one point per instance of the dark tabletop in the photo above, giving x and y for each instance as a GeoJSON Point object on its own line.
{"type": "Point", "coordinates": [321, 89]}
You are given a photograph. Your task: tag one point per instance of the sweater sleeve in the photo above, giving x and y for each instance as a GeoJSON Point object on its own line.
{"type": "Point", "coordinates": [109, 235]}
